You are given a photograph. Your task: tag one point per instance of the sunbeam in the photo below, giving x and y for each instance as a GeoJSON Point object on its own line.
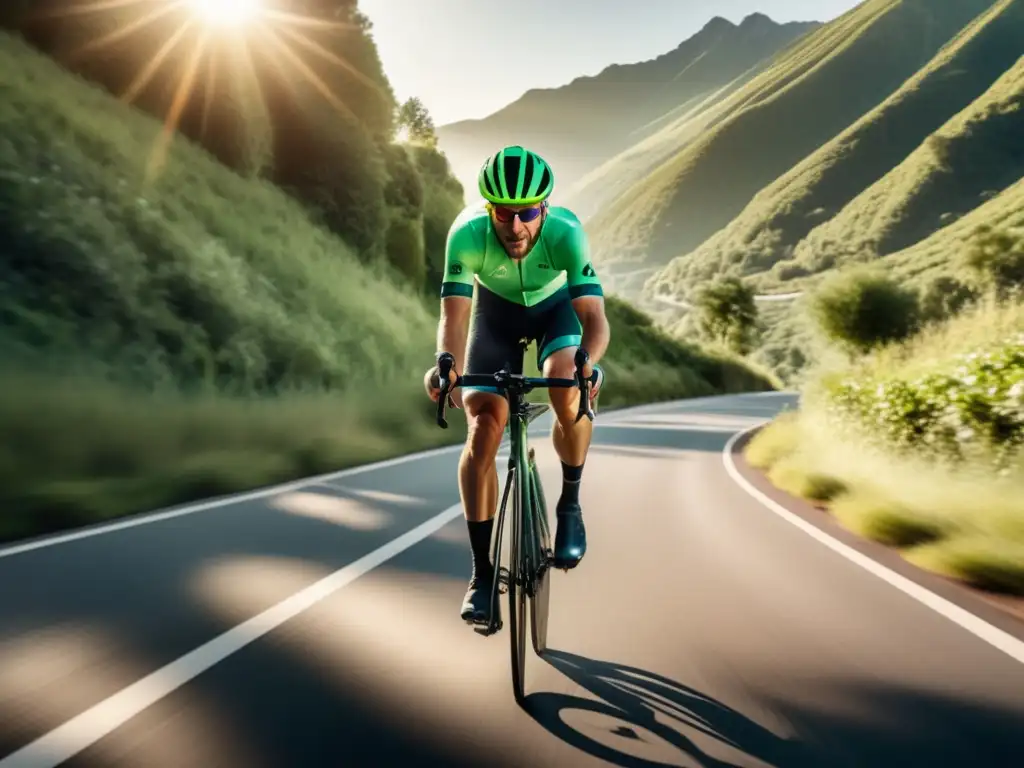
{"type": "Point", "coordinates": [319, 50]}
{"type": "Point", "coordinates": [181, 98]}
{"type": "Point", "coordinates": [296, 20]}
{"type": "Point", "coordinates": [226, 13]}
{"type": "Point", "coordinates": [207, 41]}
{"type": "Point", "coordinates": [212, 87]}
{"type": "Point", "coordinates": [308, 73]}
{"type": "Point", "coordinates": [79, 9]}
{"type": "Point", "coordinates": [143, 78]}
{"type": "Point", "coordinates": [125, 31]}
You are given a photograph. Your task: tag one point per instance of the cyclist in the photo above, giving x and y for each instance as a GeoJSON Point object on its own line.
{"type": "Point", "coordinates": [531, 267]}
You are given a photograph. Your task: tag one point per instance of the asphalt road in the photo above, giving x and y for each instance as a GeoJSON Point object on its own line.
{"type": "Point", "coordinates": [318, 625]}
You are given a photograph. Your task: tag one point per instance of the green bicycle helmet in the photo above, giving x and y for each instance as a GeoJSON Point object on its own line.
{"type": "Point", "coordinates": [515, 176]}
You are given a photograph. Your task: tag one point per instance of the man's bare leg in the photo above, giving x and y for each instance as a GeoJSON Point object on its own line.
{"type": "Point", "coordinates": [486, 415]}
{"type": "Point", "coordinates": [571, 440]}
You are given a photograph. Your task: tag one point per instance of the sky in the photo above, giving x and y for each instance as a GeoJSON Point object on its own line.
{"type": "Point", "coordinates": [469, 58]}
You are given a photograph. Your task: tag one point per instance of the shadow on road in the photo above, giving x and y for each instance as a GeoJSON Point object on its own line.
{"type": "Point", "coordinates": [644, 700]}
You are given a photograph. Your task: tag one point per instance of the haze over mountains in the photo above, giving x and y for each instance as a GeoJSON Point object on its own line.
{"type": "Point", "coordinates": [582, 124]}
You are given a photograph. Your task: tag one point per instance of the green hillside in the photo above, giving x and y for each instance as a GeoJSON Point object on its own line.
{"type": "Point", "coordinates": [813, 91]}
{"type": "Point", "coordinates": [939, 253]}
{"type": "Point", "coordinates": [815, 190]}
{"type": "Point", "coordinates": [583, 123]}
{"type": "Point", "coordinates": [973, 157]}
{"type": "Point", "coordinates": [173, 335]}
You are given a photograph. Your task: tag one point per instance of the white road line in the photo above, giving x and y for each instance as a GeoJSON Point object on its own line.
{"type": "Point", "coordinates": [90, 726]}
{"type": "Point", "coordinates": [145, 518]}
{"type": "Point", "coordinates": [992, 635]}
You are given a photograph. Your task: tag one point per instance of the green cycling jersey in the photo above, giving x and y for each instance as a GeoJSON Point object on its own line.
{"type": "Point", "coordinates": [561, 256]}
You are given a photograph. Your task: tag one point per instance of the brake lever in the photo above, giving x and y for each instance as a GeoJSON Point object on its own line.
{"type": "Point", "coordinates": [584, 410]}
{"type": "Point", "coordinates": [445, 361]}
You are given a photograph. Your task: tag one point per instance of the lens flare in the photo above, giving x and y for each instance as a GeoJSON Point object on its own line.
{"type": "Point", "coordinates": [220, 47]}
{"type": "Point", "coordinates": [226, 13]}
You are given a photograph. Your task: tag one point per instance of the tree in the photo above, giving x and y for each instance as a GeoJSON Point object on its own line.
{"type": "Point", "coordinates": [997, 258]}
{"type": "Point", "coordinates": [945, 297]}
{"type": "Point", "coordinates": [413, 116]}
{"type": "Point", "coordinates": [864, 309]}
{"type": "Point", "coordinates": [726, 312]}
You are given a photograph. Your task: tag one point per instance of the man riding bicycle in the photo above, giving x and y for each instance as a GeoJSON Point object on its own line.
{"type": "Point", "coordinates": [530, 263]}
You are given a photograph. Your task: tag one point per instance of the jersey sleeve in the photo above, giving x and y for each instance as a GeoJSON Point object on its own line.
{"type": "Point", "coordinates": [463, 258]}
{"type": "Point", "coordinates": [574, 250]}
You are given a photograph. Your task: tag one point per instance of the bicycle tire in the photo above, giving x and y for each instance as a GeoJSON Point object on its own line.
{"type": "Point", "coordinates": [541, 577]}
{"type": "Point", "coordinates": [517, 581]}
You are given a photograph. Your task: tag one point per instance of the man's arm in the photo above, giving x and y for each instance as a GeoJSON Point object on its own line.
{"type": "Point", "coordinates": [453, 328]}
{"type": "Point", "coordinates": [461, 263]}
{"type": "Point", "coordinates": [596, 331]}
{"type": "Point", "coordinates": [586, 293]}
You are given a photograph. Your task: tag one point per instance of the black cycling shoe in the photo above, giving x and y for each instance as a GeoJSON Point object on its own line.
{"type": "Point", "coordinates": [476, 605]}
{"type": "Point", "coordinates": [570, 537]}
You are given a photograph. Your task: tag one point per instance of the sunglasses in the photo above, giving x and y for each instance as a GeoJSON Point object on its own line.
{"type": "Point", "coordinates": [507, 215]}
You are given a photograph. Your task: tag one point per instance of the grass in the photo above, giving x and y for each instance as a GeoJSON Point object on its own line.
{"type": "Point", "coordinates": [959, 518]}
{"type": "Point", "coordinates": [876, 517]}
{"type": "Point", "coordinates": [772, 444]}
{"type": "Point", "coordinates": [80, 449]}
{"type": "Point", "coordinates": [171, 336]}
{"type": "Point", "coordinates": [793, 478]}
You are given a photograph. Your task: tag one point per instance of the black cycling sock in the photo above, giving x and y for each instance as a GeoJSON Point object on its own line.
{"type": "Point", "coordinates": [480, 541]}
{"type": "Point", "coordinates": [571, 477]}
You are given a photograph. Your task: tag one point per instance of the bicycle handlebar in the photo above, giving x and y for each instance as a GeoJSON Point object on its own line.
{"type": "Point", "coordinates": [504, 380]}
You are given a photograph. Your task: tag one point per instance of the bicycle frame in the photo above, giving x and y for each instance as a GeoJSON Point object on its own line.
{"type": "Point", "coordinates": [530, 551]}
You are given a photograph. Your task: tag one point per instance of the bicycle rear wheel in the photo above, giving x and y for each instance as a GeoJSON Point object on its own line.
{"type": "Point", "coordinates": [541, 577]}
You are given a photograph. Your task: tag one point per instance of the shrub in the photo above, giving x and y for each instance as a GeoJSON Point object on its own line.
{"type": "Point", "coordinates": [945, 297]}
{"type": "Point", "coordinates": [726, 312]}
{"type": "Point", "coordinates": [997, 258]}
{"type": "Point", "coordinates": [978, 407]}
{"type": "Point", "coordinates": [861, 310]}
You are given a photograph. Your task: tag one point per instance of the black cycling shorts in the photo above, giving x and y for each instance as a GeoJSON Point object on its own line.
{"type": "Point", "coordinates": [498, 326]}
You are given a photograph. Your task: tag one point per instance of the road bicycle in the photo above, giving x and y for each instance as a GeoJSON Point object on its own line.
{"type": "Point", "coordinates": [531, 556]}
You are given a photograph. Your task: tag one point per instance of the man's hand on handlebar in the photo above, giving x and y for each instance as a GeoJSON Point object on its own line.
{"type": "Point", "coordinates": [432, 383]}
{"type": "Point", "coordinates": [594, 382]}
{"type": "Point", "coordinates": [585, 371]}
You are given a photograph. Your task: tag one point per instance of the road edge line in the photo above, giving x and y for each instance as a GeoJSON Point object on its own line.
{"type": "Point", "coordinates": [997, 638]}
{"type": "Point", "coordinates": [86, 728]}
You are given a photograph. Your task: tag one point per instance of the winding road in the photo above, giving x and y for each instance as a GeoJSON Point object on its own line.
{"type": "Point", "coordinates": [316, 624]}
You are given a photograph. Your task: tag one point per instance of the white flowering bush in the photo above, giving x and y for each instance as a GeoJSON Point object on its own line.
{"type": "Point", "coordinates": [976, 409]}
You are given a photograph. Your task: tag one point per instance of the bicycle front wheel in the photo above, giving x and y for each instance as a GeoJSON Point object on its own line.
{"type": "Point", "coordinates": [541, 577]}
{"type": "Point", "coordinates": [517, 581]}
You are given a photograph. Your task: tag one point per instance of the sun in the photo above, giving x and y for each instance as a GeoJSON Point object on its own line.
{"type": "Point", "coordinates": [226, 13]}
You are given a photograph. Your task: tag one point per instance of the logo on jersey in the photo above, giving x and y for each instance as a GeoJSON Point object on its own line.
{"type": "Point", "coordinates": [501, 271]}
{"type": "Point", "coordinates": [455, 269]}
{"type": "Point", "coordinates": [588, 271]}
{"type": "Point", "coordinates": [544, 265]}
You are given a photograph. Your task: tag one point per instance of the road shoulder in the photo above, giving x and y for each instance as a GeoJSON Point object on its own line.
{"type": "Point", "coordinates": [1003, 612]}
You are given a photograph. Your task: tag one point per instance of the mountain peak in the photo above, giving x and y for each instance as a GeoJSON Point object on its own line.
{"type": "Point", "coordinates": [757, 20]}
{"type": "Point", "coordinates": [717, 23]}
